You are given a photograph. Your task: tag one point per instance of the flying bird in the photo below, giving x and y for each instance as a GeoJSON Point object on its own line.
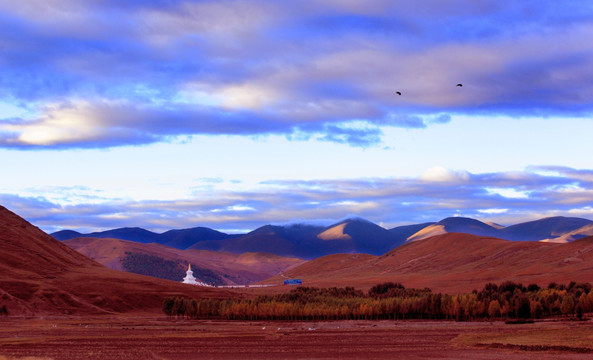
{"type": "Point", "coordinates": [460, 85]}
{"type": "Point", "coordinates": [397, 92]}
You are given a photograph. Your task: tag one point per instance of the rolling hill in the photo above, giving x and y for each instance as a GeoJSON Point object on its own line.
{"type": "Point", "coordinates": [454, 262]}
{"type": "Point", "coordinates": [128, 233]}
{"type": "Point", "coordinates": [538, 230]}
{"type": "Point", "coordinates": [273, 239]}
{"type": "Point", "coordinates": [547, 228]}
{"type": "Point", "coordinates": [184, 238]}
{"type": "Point", "coordinates": [220, 268]}
{"type": "Point", "coordinates": [579, 233]}
{"type": "Point", "coordinates": [308, 241]}
{"type": "Point", "coordinates": [179, 239]}
{"type": "Point", "coordinates": [352, 235]}
{"type": "Point", "coordinates": [297, 240]}
{"type": "Point", "coordinates": [40, 275]}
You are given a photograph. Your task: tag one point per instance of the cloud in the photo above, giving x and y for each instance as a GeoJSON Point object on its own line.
{"type": "Point", "coordinates": [441, 174]}
{"type": "Point", "coordinates": [392, 201]}
{"type": "Point", "coordinates": [107, 73]}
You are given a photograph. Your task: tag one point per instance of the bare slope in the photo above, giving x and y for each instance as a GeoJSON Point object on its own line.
{"type": "Point", "coordinates": [456, 262]}
{"type": "Point", "coordinates": [308, 241]}
{"type": "Point", "coordinates": [579, 233]}
{"type": "Point", "coordinates": [543, 229]}
{"type": "Point", "coordinates": [455, 224]}
{"type": "Point", "coordinates": [546, 228]}
{"type": "Point", "coordinates": [231, 268]}
{"type": "Point", "coordinates": [40, 275]}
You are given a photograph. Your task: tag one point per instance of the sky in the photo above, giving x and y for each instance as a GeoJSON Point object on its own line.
{"type": "Point", "coordinates": [236, 114]}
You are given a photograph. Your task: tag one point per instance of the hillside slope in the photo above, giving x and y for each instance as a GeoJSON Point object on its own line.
{"type": "Point", "coordinates": [307, 241]}
{"type": "Point", "coordinates": [549, 228]}
{"type": "Point", "coordinates": [40, 275]}
{"type": "Point", "coordinates": [456, 262]}
{"type": "Point", "coordinates": [226, 268]}
{"type": "Point", "coordinates": [546, 228]}
{"type": "Point", "coordinates": [573, 235]}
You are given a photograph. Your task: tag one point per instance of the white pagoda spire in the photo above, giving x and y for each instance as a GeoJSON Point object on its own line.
{"type": "Point", "coordinates": [190, 279]}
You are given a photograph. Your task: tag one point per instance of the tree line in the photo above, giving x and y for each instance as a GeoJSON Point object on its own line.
{"type": "Point", "coordinates": [508, 300]}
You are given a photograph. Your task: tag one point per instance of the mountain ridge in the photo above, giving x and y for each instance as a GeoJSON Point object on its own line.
{"type": "Point", "coordinates": [352, 235]}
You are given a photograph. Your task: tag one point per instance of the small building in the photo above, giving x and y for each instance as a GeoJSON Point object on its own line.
{"type": "Point", "coordinates": [293, 282]}
{"type": "Point", "coordinates": [190, 279]}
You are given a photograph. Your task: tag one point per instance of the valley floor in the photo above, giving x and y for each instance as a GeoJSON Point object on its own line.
{"type": "Point", "coordinates": [138, 337]}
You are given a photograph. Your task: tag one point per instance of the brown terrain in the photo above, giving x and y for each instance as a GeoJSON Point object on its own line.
{"type": "Point", "coordinates": [63, 305]}
{"type": "Point", "coordinates": [40, 275]}
{"type": "Point", "coordinates": [454, 263]}
{"type": "Point", "coordinates": [160, 338]}
{"type": "Point", "coordinates": [234, 269]}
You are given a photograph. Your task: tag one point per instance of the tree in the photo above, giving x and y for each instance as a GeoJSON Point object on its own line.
{"type": "Point", "coordinates": [537, 310]}
{"type": "Point", "coordinates": [567, 305]}
{"type": "Point", "coordinates": [168, 305]}
{"type": "Point", "coordinates": [494, 309]}
{"type": "Point", "coordinates": [579, 311]}
{"type": "Point", "coordinates": [385, 289]}
{"type": "Point", "coordinates": [179, 307]}
{"type": "Point", "coordinates": [588, 302]}
{"type": "Point", "coordinates": [522, 306]}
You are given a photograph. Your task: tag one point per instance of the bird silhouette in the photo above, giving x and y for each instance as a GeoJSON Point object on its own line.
{"type": "Point", "coordinates": [460, 85]}
{"type": "Point", "coordinates": [397, 92]}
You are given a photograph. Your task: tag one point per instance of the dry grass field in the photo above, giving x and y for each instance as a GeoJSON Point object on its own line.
{"type": "Point", "coordinates": [142, 337]}
{"type": "Point", "coordinates": [453, 263]}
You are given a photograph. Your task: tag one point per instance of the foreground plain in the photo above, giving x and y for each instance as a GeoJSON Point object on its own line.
{"type": "Point", "coordinates": [140, 337]}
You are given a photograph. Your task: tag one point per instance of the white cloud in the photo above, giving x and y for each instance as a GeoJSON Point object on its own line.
{"type": "Point", "coordinates": [493, 211]}
{"type": "Point", "coordinates": [442, 174]}
{"type": "Point", "coordinates": [508, 193]}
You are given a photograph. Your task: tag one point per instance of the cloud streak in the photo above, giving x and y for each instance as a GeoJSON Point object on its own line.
{"type": "Point", "coordinates": [391, 201]}
{"type": "Point", "coordinates": [87, 79]}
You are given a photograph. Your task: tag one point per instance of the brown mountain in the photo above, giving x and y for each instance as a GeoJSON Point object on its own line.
{"type": "Point", "coordinates": [352, 235]}
{"type": "Point", "coordinates": [537, 230]}
{"type": "Point", "coordinates": [179, 239]}
{"type": "Point", "coordinates": [40, 275]}
{"type": "Point", "coordinates": [579, 233]}
{"type": "Point", "coordinates": [455, 224]}
{"type": "Point", "coordinates": [222, 268]}
{"type": "Point", "coordinates": [546, 228]}
{"type": "Point", "coordinates": [454, 262]}
{"type": "Point", "coordinates": [308, 241]}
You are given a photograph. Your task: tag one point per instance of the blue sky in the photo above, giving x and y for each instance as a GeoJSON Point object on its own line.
{"type": "Point", "coordinates": [236, 114]}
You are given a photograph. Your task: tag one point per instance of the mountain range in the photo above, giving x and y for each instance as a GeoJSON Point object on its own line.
{"type": "Point", "coordinates": [40, 275]}
{"type": "Point", "coordinates": [353, 235]}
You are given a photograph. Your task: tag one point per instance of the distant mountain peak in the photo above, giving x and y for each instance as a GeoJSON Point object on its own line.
{"type": "Point", "coordinates": [351, 234]}
{"type": "Point", "coordinates": [357, 219]}
{"type": "Point", "coordinates": [459, 220]}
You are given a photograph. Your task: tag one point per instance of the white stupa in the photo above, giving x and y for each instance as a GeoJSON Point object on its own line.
{"type": "Point", "coordinates": [190, 279]}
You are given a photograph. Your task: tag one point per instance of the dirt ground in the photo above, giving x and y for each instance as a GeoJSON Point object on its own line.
{"type": "Point", "coordinates": [162, 338]}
